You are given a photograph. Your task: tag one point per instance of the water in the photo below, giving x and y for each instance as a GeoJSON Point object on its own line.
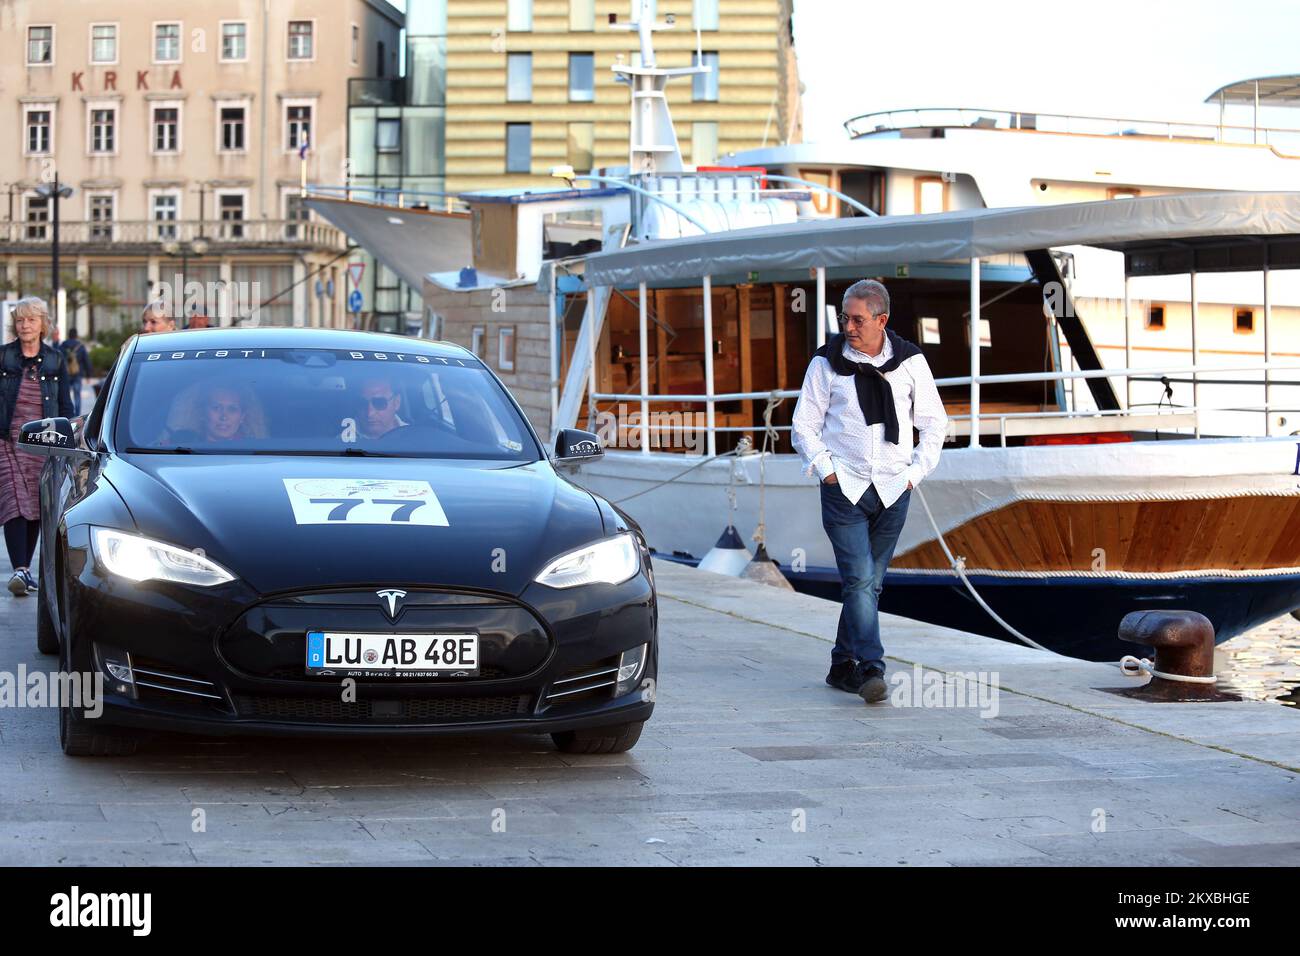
{"type": "Point", "coordinates": [1263, 664]}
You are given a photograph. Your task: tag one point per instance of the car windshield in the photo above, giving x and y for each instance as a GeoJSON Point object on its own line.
{"type": "Point", "coordinates": [318, 401]}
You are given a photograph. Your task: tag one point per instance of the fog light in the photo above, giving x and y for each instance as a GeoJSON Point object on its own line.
{"type": "Point", "coordinates": [630, 665]}
{"type": "Point", "coordinates": [117, 665]}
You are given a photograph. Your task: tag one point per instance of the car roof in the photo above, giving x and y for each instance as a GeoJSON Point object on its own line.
{"type": "Point", "coordinates": [297, 338]}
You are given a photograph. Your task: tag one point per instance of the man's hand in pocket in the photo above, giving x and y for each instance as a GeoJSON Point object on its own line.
{"type": "Point", "coordinates": [830, 479]}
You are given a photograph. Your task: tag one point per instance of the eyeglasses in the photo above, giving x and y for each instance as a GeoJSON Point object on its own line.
{"type": "Point", "coordinates": [378, 402]}
{"type": "Point", "coordinates": [854, 319]}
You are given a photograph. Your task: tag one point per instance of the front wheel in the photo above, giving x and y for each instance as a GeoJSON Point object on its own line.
{"type": "Point", "coordinates": [615, 739]}
{"type": "Point", "coordinates": [47, 639]}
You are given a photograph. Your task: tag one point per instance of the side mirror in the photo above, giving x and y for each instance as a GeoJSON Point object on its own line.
{"type": "Point", "coordinates": [574, 446]}
{"type": "Point", "coordinates": [50, 436]}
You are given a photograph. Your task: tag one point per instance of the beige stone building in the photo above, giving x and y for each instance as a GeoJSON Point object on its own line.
{"type": "Point", "coordinates": [529, 84]}
{"type": "Point", "coordinates": [181, 129]}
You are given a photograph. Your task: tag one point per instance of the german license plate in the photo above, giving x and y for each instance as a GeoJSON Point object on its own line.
{"type": "Point", "coordinates": [339, 654]}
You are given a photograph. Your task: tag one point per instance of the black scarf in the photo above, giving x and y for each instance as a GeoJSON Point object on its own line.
{"type": "Point", "coordinates": [875, 397]}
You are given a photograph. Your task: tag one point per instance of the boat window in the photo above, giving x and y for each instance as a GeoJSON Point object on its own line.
{"type": "Point", "coordinates": [1243, 321]}
{"type": "Point", "coordinates": [1155, 316]}
{"type": "Point", "coordinates": [929, 326]}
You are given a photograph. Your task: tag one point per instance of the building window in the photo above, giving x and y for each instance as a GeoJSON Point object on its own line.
{"type": "Point", "coordinates": [704, 86]}
{"type": "Point", "coordinates": [519, 16]}
{"type": "Point", "coordinates": [164, 209]}
{"type": "Point", "coordinates": [582, 15]}
{"type": "Point", "coordinates": [582, 146]}
{"type": "Point", "coordinates": [234, 41]}
{"type": "Point", "coordinates": [356, 43]}
{"type": "Point", "coordinates": [1122, 192]}
{"type": "Point", "coordinates": [101, 217]}
{"type": "Point", "coordinates": [166, 129]}
{"type": "Point", "coordinates": [704, 143]}
{"type": "Point", "coordinates": [38, 216]}
{"type": "Point", "coordinates": [167, 43]}
{"type": "Point", "coordinates": [38, 132]}
{"type": "Point", "coordinates": [1243, 321]}
{"type": "Point", "coordinates": [477, 339]}
{"type": "Point", "coordinates": [930, 194]}
{"type": "Point", "coordinates": [704, 14]}
{"type": "Point", "coordinates": [506, 348]}
{"type": "Point", "coordinates": [300, 39]}
{"type": "Point", "coordinates": [582, 77]}
{"type": "Point", "coordinates": [230, 208]}
{"type": "Point", "coordinates": [298, 127]}
{"type": "Point", "coordinates": [519, 77]}
{"type": "Point", "coordinates": [232, 129]}
{"type": "Point", "coordinates": [40, 46]}
{"type": "Point", "coordinates": [519, 147]}
{"type": "Point", "coordinates": [1155, 318]}
{"type": "Point", "coordinates": [388, 135]}
{"type": "Point", "coordinates": [295, 212]}
{"type": "Point", "coordinates": [103, 130]}
{"type": "Point", "coordinates": [103, 43]}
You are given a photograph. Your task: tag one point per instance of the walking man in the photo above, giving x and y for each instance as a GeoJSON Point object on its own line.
{"type": "Point", "coordinates": [863, 393]}
{"type": "Point", "coordinates": [78, 361]}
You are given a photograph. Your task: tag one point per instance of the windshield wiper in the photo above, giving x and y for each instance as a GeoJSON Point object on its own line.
{"type": "Point", "coordinates": [345, 453]}
{"type": "Point", "coordinates": [178, 450]}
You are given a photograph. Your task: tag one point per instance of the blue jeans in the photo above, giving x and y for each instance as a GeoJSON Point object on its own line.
{"type": "Point", "coordinates": [863, 536]}
{"type": "Point", "coordinates": [75, 385]}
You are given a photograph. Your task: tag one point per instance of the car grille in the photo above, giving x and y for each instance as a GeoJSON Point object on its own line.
{"type": "Point", "coordinates": [419, 709]}
{"type": "Point", "coordinates": [584, 683]}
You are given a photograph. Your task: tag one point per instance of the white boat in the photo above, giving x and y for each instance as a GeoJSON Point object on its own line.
{"type": "Point", "coordinates": [1081, 493]}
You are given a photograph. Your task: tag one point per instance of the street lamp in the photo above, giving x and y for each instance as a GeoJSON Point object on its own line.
{"type": "Point", "coordinates": [184, 249]}
{"type": "Point", "coordinates": [53, 192]}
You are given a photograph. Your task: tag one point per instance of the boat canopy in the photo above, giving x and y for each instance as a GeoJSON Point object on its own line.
{"type": "Point", "coordinates": [410, 242]}
{"type": "Point", "coordinates": [1159, 235]}
{"type": "Point", "coordinates": [1263, 91]}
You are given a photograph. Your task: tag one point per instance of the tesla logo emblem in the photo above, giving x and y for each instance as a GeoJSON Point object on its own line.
{"type": "Point", "coordinates": [392, 596]}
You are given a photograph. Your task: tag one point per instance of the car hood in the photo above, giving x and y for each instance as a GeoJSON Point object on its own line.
{"type": "Point", "coordinates": [293, 523]}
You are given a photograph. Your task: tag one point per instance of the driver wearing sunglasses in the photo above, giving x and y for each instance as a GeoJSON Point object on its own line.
{"type": "Point", "coordinates": [379, 407]}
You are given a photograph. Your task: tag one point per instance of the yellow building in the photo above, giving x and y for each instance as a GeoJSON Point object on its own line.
{"type": "Point", "coordinates": [529, 84]}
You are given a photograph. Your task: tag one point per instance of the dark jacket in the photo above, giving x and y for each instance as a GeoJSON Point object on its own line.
{"type": "Point", "coordinates": [78, 348]}
{"type": "Point", "coordinates": [56, 392]}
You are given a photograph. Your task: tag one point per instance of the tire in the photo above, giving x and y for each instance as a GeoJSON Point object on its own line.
{"type": "Point", "coordinates": [614, 739]}
{"type": "Point", "coordinates": [47, 640]}
{"type": "Point", "coordinates": [80, 737]}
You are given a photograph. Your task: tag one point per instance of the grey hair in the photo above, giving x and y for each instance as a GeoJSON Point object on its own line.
{"type": "Point", "coordinates": [871, 293]}
{"type": "Point", "coordinates": [156, 307]}
{"type": "Point", "coordinates": [29, 304]}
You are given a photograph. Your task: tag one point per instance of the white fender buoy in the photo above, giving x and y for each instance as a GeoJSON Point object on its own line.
{"type": "Point", "coordinates": [729, 556]}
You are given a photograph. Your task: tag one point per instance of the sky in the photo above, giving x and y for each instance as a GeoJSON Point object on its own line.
{"type": "Point", "coordinates": [1135, 59]}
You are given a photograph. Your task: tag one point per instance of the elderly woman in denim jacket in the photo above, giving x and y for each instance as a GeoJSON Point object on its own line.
{"type": "Point", "coordinates": [33, 384]}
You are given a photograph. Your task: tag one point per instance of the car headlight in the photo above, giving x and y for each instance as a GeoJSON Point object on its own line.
{"type": "Point", "coordinates": [138, 558]}
{"type": "Point", "coordinates": [611, 561]}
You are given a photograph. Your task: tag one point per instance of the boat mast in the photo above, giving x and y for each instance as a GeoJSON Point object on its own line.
{"type": "Point", "coordinates": [653, 146]}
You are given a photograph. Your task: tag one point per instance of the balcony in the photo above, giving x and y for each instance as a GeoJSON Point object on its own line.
{"type": "Point", "coordinates": [147, 237]}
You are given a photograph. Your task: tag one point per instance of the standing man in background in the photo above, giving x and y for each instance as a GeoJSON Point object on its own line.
{"type": "Point", "coordinates": [863, 393]}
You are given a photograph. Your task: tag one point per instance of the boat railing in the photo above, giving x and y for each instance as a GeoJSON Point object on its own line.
{"type": "Point", "coordinates": [417, 199]}
{"type": "Point", "coordinates": [1005, 424]}
{"type": "Point", "coordinates": [946, 117]}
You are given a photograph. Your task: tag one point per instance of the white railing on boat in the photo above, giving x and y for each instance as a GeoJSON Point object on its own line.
{"type": "Point", "coordinates": [1003, 424]}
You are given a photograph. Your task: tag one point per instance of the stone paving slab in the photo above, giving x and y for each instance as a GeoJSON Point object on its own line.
{"type": "Point", "coordinates": [749, 760]}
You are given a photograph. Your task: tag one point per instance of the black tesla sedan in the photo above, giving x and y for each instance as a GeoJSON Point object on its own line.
{"type": "Point", "coordinates": [315, 531]}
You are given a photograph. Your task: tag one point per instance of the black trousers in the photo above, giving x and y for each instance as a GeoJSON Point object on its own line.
{"type": "Point", "coordinates": [20, 539]}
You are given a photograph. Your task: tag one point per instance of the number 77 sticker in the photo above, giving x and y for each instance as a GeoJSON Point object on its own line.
{"type": "Point", "coordinates": [363, 501]}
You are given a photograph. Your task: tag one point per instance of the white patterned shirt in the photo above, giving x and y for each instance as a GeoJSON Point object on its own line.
{"type": "Point", "coordinates": [831, 434]}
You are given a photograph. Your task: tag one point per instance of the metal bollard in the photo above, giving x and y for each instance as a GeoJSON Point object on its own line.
{"type": "Point", "coordinates": [1184, 644]}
